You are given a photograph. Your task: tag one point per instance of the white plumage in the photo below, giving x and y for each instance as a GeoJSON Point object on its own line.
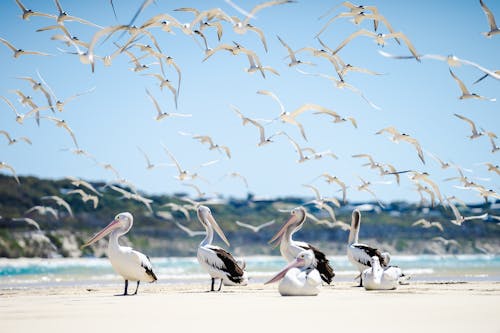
{"type": "Point", "coordinates": [218, 263]}
{"type": "Point", "coordinates": [130, 264]}
{"type": "Point", "coordinates": [299, 278]}
{"type": "Point", "coordinates": [379, 278]}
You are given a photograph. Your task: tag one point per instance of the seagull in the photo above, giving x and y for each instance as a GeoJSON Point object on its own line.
{"type": "Point", "coordinates": [178, 208]}
{"type": "Point", "coordinates": [207, 139]}
{"type": "Point", "coordinates": [237, 175]}
{"type": "Point", "coordinates": [298, 149]}
{"type": "Point", "coordinates": [491, 21]}
{"type": "Point", "coordinates": [320, 201]}
{"type": "Point", "coordinates": [160, 114]}
{"type": "Point", "coordinates": [334, 179]}
{"type": "Point", "coordinates": [164, 83]}
{"type": "Point", "coordinates": [459, 219]}
{"type": "Point", "coordinates": [427, 224]}
{"type": "Point", "coordinates": [28, 221]}
{"type": "Point", "coordinates": [63, 124]}
{"type": "Point", "coordinates": [4, 165]}
{"type": "Point", "coordinates": [38, 86]}
{"type": "Point", "coordinates": [465, 92]}
{"type": "Point", "coordinates": [253, 67]}
{"type": "Point", "coordinates": [78, 182]}
{"type": "Point", "coordinates": [492, 136]}
{"type": "Point", "coordinates": [18, 52]}
{"type": "Point", "coordinates": [183, 174]}
{"type": "Point", "coordinates": [60, 202]}
{"type": "Point", "coordinates": [13, 141]}
{"type": "Point", "coordinates": [197, 189]}
{"type": "Point", "coordinates": [43, 210]}
{"type": "Point", "coordinates": [341, 84]}
{"type": "Point", "coordinates": [444, 165]}
{"type": "Point", "coordinates": [397, 136]}
{"type": "Point", "coordinates": [63, 16]}
{"type": "Point", "coordinates": [475, 134]}
{"type": "Point", "coordinates": [149, 165]}
{"type": "Point", "coordinates": [134, 196]}
{"type": "Point", "coordinates": [451, 60]}
{"type": "Point", "coordinates": [355, 9]}
{"type": "Point", "coordinates": [262, 134]}
{"type": "Point", "coordinates": [86, 197]}
{"type": "Point", "coordinates": [445, 241]}
{"type": "Point", "coordinates": [420, 188]}
{"type": "Point", "coordinates": [380, 40]}
{"type": "Point", "coordinates": [291, 54]}
{"type": "Point", "coordinates": [493, 168]}
{"type": "Point", "coordinates": [235, 50]}
{"type": "Point", "coordinates": [60, 104]}
{"type": "Point", "coordinates": [253, 227]}
{"type": "Point", "coordinates": [424, 176]}
{"type": "Point", "coordinates": [365, 187]}
{"type": "Point", "coordinates": [19, 116]}
{"type": "Point", "coordinates": [358, 17]}
{"type": "Point", "coordinates": [27, 13]}
{"type": "Point", "coordinates": [190, 232]}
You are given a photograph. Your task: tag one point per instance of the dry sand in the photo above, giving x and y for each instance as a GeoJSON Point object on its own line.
{"type": "Point", "coordinates": [418, 307]}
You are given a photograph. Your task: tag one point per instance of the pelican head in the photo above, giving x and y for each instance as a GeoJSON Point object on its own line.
{"type": "Point", "coordinates": [122, 221]}
{"type": "Point", "coordinates": [208, 221]}
{"type": "Point", "coordinates": [295, 222]}
{"type": "Point", "coordinates": [303, 259]}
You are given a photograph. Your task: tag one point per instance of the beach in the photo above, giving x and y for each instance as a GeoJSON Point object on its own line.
{"type": "Point", "coordinates": [417, 307]}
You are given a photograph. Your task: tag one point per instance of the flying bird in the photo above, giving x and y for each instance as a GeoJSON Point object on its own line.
{"type": "Point", "coordinates": [465, 92]}
{"type": "Point", "coordinates": [60, 202]}
{"type": "Point", "coordinates": [491, 21]}
{"type": "Point", "coordinates": [255, 228]}
{"type": "Point", "coordinates": [4, 165]}
{"type": "Point", "coordinates": [18, 52]}
{"type": "Point", "coordinates": [428, 224]}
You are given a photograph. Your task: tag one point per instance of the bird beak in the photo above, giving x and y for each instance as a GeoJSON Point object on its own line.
{"type": "Point", "coordinates": [217, 229]}
{"type": "Point", "coordinates": [104, 232]}
{"type": "Point", "coordinates": [280, 233]}
{"type": "Point", "coordinates": [296, 263]}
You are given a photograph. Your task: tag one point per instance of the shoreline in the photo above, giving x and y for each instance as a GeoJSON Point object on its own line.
{"type": "Point", "coordinates": [418, 307]}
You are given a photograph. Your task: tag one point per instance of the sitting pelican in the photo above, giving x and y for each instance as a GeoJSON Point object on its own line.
{"type": "Point", "coordinates": [360, 254]}
{"type": "Point", "coordinates": [219, 263]}
{"type": "Point", "coordinates": [299, 278]}
{"type": "Point", "coordinates": [290, 249]}
{"type": "Point", "coordinates": [378, 278]}
{"type": "Point", "coordinates": [130, 264]}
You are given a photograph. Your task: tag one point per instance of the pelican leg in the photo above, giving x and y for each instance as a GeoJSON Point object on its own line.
{"type": "Point", "coordinates": [220, 285]}
{"type": "Point", "coordinates": [213, 282]}
{"type": "Point", "coordinates": [360, 281]}
{"type": "Point", "coordinates": [126, 288]}
{"type": "Point", "coordinates": [137, 288]}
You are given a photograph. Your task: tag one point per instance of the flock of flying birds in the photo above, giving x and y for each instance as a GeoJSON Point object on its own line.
{"type": "Point", "coordinates": [128, 40]}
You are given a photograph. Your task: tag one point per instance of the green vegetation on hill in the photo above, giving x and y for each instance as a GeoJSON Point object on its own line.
{"type": "Point", "coordinates": [159, 236]}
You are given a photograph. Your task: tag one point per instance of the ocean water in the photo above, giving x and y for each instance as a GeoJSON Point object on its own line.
{"type": "Point", "coordinates": [38, 273]}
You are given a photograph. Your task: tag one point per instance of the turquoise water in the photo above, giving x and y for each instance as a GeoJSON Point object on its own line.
{"type": "Point", "coordinates": [23, 273]}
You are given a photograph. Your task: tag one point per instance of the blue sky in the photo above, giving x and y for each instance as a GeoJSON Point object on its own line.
{"type": "Point", "coordinates": [117, 117]}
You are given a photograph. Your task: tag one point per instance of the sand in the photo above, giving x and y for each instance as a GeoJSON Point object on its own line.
{"type": "Point", "coordinates": [418, 307]}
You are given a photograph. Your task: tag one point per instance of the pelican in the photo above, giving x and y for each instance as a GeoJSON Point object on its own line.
{"type": "Point", "coordinates": [290, 248]}
{"type": "Point", "coordinates": [360, 254]}
{"type": "Point", "coordinates": [299, 278]}
{"type": "Point", "coordinates": [219, 263]}
{"type": "Point", "coordinates": [378, 278]}
{"type": "Point", "coordinates": [130, 264]}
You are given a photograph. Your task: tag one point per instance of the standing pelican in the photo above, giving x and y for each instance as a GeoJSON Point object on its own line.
{"type": "Point", "coordinates": [299, 278]}
{"type": "Point", "coordinates": [360, 254]}
{"type": "Point", "coordinates": [378, 278]}
{"type": "Point", "coordinates": [131, 265]}
{"type": "Point", "coordinates": [290, 248]}
{"type": "Point", "coordinates": [219, 263]}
